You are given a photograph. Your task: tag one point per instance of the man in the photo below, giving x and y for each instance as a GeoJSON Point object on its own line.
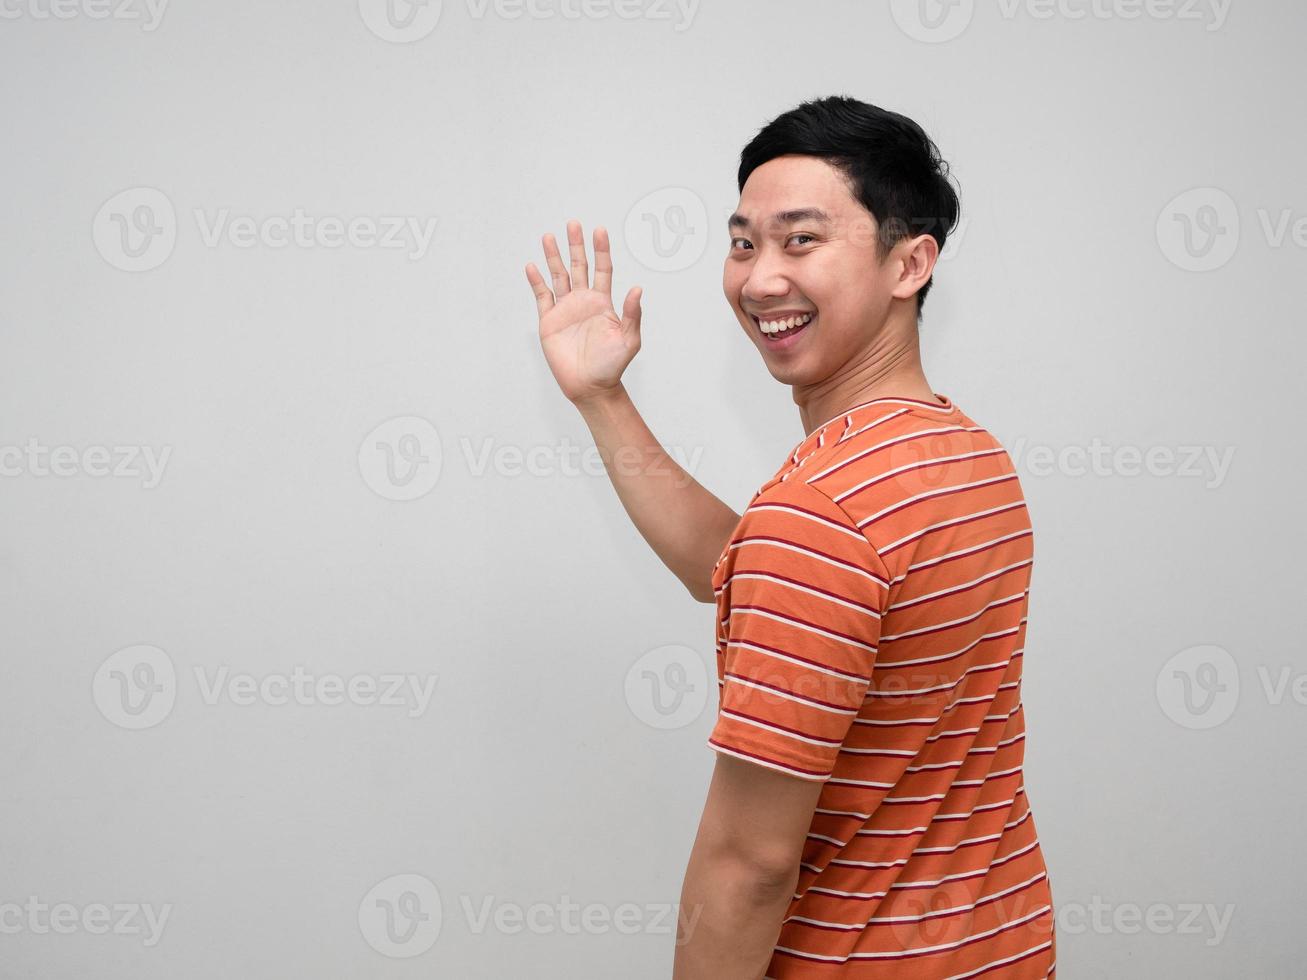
{"type": "Point", "coordinates": [867, 815]}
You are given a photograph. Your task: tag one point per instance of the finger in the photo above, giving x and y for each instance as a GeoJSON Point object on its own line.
{"type": "Point", "coordinates": [576, 245]}
{"type": "Point", "coordinates": [562, 285]}
{"type": "Point", "coordinates": [603, 263]}
{"type": "Point", "coordinates": [631, 312]}
{"type": "Point", "coordinates": [544, 298]}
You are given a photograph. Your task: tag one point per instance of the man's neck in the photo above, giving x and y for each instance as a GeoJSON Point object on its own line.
{"type": "Point", "coordinates": [894, 374]}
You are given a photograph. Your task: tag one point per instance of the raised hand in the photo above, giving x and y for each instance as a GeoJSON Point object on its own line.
{"type": "Point", "coordinates": [586, 343]}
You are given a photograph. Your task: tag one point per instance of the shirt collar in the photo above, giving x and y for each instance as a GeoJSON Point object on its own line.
{"type": "Point", "coordinates": [864, 414]}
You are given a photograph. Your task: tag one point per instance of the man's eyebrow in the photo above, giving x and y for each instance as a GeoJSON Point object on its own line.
{"type": "Point", "coordinates": [793, 216]}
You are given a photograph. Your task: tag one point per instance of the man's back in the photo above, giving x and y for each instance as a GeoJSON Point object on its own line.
{"type": "Point", "coordinates": [871, 627]}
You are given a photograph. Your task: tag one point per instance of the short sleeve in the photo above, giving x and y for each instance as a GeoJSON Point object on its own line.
{"type": "Point", "coordinates": [800, 591]}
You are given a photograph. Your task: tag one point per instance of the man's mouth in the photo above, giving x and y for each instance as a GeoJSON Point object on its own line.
{"type": "Point", "coordinates": [781, 331]}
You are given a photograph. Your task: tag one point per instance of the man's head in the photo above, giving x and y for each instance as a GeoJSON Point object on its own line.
{"type": "Point", "coordinates": [844, 208]}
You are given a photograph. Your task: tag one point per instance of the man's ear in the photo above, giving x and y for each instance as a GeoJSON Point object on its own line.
{"type": "Point", "coordinates": [916, 262]}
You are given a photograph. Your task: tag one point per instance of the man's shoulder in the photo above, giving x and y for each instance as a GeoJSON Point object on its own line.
{"type": "Point", "coordinates": [911, 470]}
{"type": "Point", "coordinates": [897, 446]}
{"type": "Point", "coordinates": [789, 492]}
{"type": "Point", "coordinates": [794, 529]}
{"type": "Point", "coordinates": [789, 504]}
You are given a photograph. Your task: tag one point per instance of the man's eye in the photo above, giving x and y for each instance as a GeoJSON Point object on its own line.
{"type": "Point", "coordinates": [744, 241]}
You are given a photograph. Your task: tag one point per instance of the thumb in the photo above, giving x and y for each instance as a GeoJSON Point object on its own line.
{"type": "Point", "coordinates": [631, 311]}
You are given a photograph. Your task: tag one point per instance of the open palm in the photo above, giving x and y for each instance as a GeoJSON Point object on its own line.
{"type": "Point", "coordinates": [586, 343]}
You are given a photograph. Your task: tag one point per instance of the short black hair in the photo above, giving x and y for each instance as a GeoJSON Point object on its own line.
{"type": "Point", "coordinates": [894, 169]}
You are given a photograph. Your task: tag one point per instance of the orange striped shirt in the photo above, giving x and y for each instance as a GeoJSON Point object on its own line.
{"type": "Point", "coordinates": [871, 623]}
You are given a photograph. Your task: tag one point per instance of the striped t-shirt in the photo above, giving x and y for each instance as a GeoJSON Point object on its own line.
{"type": "Point", "coordinates": [871, 623]}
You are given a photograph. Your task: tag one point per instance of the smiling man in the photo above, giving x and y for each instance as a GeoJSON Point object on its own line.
{"type": "Point", "coordinates": [867, 815]}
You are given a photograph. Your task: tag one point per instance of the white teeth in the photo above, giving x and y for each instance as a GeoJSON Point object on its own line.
{"type": "Point", "coordinates": [776, 326]}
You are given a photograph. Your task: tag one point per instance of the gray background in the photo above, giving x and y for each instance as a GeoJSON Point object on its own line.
{"type": "Point", "coordinates": [1067, 311]}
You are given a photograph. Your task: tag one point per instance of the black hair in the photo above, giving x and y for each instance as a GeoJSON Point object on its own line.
{"type": "Point", "coordinates": [894, 169]}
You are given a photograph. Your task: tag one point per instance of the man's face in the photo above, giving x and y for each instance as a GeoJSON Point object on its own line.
{"type": "Point", "coordinates": [822, 263]}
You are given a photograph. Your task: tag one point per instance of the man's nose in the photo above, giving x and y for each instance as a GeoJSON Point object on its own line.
{"type": "Point", "coordinates": [766, 280]}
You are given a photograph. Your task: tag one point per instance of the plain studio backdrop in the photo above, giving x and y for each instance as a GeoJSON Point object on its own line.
{"type": "Point", "coordinates": [329, 651]}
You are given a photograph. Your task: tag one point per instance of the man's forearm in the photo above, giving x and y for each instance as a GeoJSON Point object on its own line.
{"type": "Point", "coordinates": [686, 526]}
{"type": "Point", "coordinates": [729, 920]}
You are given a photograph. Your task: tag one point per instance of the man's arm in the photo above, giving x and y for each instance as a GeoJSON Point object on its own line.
{"type": "Point", "coordinates": [743, 870]}
{"type": "Point", "coordinates": [685, 525]}
{"type": "Point", "coordinates": [797, 647]}
{"type": "Point", "coordinates": [588, 346]}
